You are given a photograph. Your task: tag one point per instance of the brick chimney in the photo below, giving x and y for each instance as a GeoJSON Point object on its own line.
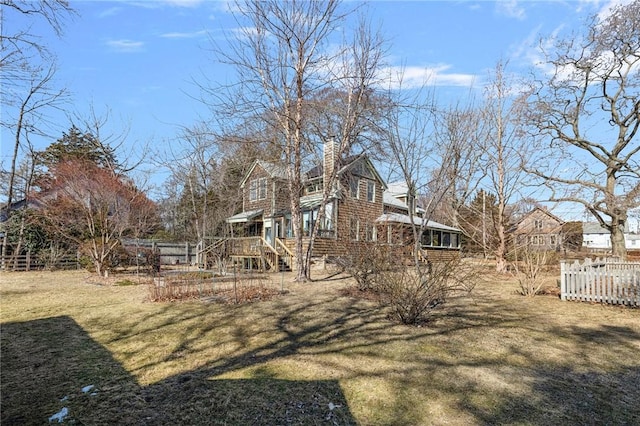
{"type": "Point", "coordinates": [329, 158]}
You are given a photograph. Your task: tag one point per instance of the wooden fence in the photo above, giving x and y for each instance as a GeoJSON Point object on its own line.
{"type": "Point", "coordinates": [603, 281]}
{"type": "Point", "coordinates": [27, 262]}
{"type": "Point", "coordinates": [170, 253]}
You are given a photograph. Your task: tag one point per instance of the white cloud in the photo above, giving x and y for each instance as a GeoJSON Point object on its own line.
{"type": "Point", "coordinates": [125, 46]}
{"type": "Point", "coordinates": [607, 8]}
{"type": "Point", "coordinates": [415, 77]}
{"type": "Point", "coordinates": [149, 4]}
{"type": "Point", "coordinates": [109, 12]}
{"type": "Point", "coordinates": [512, 9]}
{"type": "Point", "coordinates": [192, 34]}
{"type": "Point", "coordinates": [183, 3]}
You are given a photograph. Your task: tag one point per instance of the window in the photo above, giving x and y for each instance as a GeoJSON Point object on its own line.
{"type": "Point", "coordinates": [258, 189]}
{"type": "Point", "coordinates": [455, 241]}
{"type": "Point", "coordinates": [354, 184]}
{"type": "Point", "coordinates": [314, 187]}
{"type": "Point", "coordinates": [308, 220]}
{"type": "Point", "coordinates": [288, 226]}
{"type": "Point", "coordinates": [354, 230]}
{"type": "Point", "coordinates": [323, 217]}
{"type": "Point", "coordinates": [426, 238]}
{"type": "Point", "coordinates": [253, 190]}
{"type": "Point", "coordinates": [371, 191]}
{"type": "Point", "coordinates": [370, 232]}
{"type": "Point", "coordinates": [394, 234]}
{"type": "Point", "coordinates": [446, 239]}
{"type": "Point", "coordinates": [327, 217]}
{"type": "Point", "coordinates": [262, 188]}
{"type": "Point", "coordinates": [537, 224]}
{"type": "Point", "coordinates": [552, 240]}
{"type": "Point", "coordinates": [436, 238]}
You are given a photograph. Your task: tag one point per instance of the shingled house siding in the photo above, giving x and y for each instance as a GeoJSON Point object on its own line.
{"type": "Point", "coordinates": [283, 200]}
{"type": "Point", "coordinates": [363, 211]}
{"type": "Point", "coordinates": [265, 204]}
{"type": "Point", "coordinates": [540, 229]}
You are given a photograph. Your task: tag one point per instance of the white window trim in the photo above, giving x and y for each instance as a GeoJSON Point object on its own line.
{"type": "Point", "coordinates": [357, 186]}
{"type": "Point", "coordinates": [371, 191]}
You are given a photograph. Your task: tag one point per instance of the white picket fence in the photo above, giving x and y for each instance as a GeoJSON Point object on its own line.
{"type": "Point", "coordinates": [604, 281]}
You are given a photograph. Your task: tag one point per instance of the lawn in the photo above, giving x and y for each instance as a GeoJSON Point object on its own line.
{"type": "Point", "coordinates": [311, 356]}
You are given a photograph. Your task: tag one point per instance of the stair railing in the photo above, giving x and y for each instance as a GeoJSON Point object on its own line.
{"type": "Point", "coordinates": [285, 254]}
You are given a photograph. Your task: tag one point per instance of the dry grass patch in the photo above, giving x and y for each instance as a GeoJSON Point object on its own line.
{"type": "Point", "coordinates": [311, 356]}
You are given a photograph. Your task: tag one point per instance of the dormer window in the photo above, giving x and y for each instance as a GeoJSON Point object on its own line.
{"type": "Point", "coordinates": [314, 187]}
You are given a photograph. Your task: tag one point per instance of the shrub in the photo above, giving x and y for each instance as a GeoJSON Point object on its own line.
{"type": "Point", "coordinates": [231, 289]}
{"type": "Point", "coordinates": [410, 292]}
{"type": "Point", "coordinates": [413, 293]}
{"type": "Point", "coordinates": [365, 262]}
{"type": "Point", "coordinates": [528, 267]}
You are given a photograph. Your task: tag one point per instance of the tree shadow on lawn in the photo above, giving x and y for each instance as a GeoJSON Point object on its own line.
{"type": "Point", "coordinates": [52, 364]}
{"type": "Point", "coordinates": [574, 392]}
{"type": "Point", "coordinates": [46, 360]}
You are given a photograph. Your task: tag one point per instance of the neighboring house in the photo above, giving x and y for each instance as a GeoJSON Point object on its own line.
{"type": "Point", "coordinates": [5, 211]}
{"type": "Point", "coordinates": [539, 229]}
{"type": "Point", "coordinates": [360, 209]}
{"type": "Point", "coordinates": [595, 237]}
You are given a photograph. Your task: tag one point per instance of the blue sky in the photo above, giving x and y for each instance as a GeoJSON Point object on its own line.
{"type": "Point", "coordinates": [138, 59]}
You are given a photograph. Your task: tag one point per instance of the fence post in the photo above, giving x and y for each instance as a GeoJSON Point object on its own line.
{"type": "Point", "coordinates": [563, 280]}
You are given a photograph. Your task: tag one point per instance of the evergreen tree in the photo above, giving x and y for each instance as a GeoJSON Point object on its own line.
{"type": "Point", "coordinates": [76, 145]}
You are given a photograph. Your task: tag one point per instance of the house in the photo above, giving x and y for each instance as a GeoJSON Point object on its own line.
{"type": "Point", "coordinates": [6, 210]}
{"type": "Point", "coordinates": [539, 229]}
{"type": "Point", "coordinates": [360, 209]}
{"type": "Point", "coordinates": [597, 238]}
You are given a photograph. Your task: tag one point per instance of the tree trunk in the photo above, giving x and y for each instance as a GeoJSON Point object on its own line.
{"type": "Point", "coordinates": [618, 246]}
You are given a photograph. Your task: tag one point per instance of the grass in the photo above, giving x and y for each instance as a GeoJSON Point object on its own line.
{"type": "Point", "coordinates": [310, 356]}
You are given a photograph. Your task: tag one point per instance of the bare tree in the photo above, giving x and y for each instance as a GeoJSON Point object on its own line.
{"type": "Point", "coordinates": [19, 47]}
{"type": "Point", "coordinates": [28, 86]}
{"type": "Point", "coordinates": [459, 139]}
{"type": "Point", "coordinates": [206, 171]}
{"type": "Point", "coordinates": [410, 125]}
{"type": "Point", "coordinates": [587, 114]}
{"type": "Point", "coordinates": [284, 58]}
{"type": "Point", "coordinates": [505, 150]}
{"type": "Point", "coordinates": [39, 97]}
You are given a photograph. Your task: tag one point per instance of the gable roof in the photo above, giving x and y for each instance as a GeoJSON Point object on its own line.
{"type": "Point", "coordinates": [318, 171]}
{"type": "Point", "coordinates": [596, 228]}
{"type": "Point", "coordinates": [543, 210]}
{"type": "Point", "coordinates": [349, 164]}
{"type": "Point", "coordinates": [398, 189]}
{"type": "Point", "coordinates": [277, 171]}
{"type": "Point", "coordinates": [362, 160]}
{"type": "Point", "coordinates": [389, 199]}
{"type": "Point", "coordinates": [17, 205]}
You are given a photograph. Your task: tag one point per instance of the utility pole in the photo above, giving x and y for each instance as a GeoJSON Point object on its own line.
{"type": "Point", "coordinates": [484, 224]}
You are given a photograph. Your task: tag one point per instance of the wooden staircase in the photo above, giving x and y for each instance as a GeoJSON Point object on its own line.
{"type": "Point", "coordinates": [249, 253]}
{"type": "Point", "coordinates": [215, 252]}
{"type": "Point", "coordinates": [278, 258]}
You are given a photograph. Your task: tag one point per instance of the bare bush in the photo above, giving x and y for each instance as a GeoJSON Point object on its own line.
{"type": "Point", "coordinates": [528, 266]}
{"type": "Point", "coordinates": [412, 294]}
{"type": "Point", "coordinates": [230, 289]}
{"type": "Point", "coordinates": [365, 263]}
